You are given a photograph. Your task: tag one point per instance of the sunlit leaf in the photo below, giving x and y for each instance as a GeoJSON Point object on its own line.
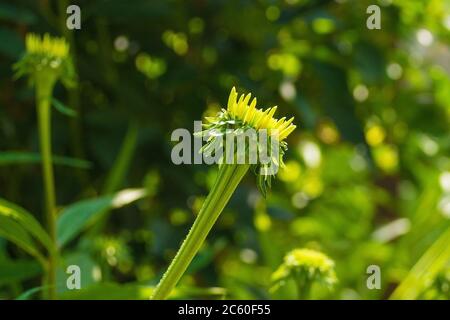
{"type": "Point", "coordinates": [425, 270]}
{"type": "Point", "coordinates": [14, 232]}
{"type": "Point", "coordinates": [26, 221]}
{"type": "Point", "coordinates": [61, 107]}
{"type": "Point", "coordinates": [77, 216]}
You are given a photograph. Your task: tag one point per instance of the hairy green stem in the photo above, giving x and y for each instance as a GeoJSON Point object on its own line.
{"type": "Point", "coordinates": [227, 180]}
{"type": "Point", "coordinates": [44, 89]}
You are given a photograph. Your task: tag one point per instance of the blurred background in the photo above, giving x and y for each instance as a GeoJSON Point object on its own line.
{"type": "Point", "coordinates": [367, 176]}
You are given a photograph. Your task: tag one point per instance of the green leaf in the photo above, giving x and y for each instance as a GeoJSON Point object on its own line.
{"type": "Point", "coordinates": [78, 216]}
{"type": "Point", "coordinates": [26, 221]}
{"type": "Point", "coordinates": [29, 293]}
{"type": "Point", "coordinates": [425, 270]}
{"type": "Point", "coordinates": [18, 270]}
{"type": "Point", "coordinates": [136, 291]}
{"type": "Point", "coordinates": [14, 232]}
{"type": "Point", "coordinates": [11, 44]}
{"type": "Point", "coordinates": [19, 157]}
{"type": "Point", "coordinates": [89, 269]}
{"type": "Point", "coordinates": [16, 14]}
{"type": "Point", "coordinates": [61, 107]}
{"type": "Point", "coordinates": [110, 291]}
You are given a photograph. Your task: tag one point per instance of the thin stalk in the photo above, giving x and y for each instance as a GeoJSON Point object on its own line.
{"type": "Point", "coordinates": [119, 170]}
{"type": "Point", "coordinates": [228, 179]}
{"type": "Point", "coordinates": [73, 92]}
{"type": "Point", "coordinates": [123, 160]}
{"type": "Point", "coordinates": [44, 92]}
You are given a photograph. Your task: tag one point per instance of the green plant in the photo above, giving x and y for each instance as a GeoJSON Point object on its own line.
{"type": "Point", "coordinates": [305, 267]}
{"type": "Point", "coordinates": [426, 269]}
{"type": "Point", "coordinates": [366, 179]}
{"type": "Point", "coordinates": [46, 61]}
{"type": "Point", "coordinates": [20, 227]}
{"type": "Point", "coordinates": [238, 117]}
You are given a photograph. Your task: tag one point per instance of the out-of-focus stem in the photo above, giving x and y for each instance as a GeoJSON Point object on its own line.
{"type": "Point", "coordinates": [73, 93]}
{"type": "Point", "coordinates": [303, 285]}
{"type": "Point", "coordinates": [44, 89]}
{"type": "Point", "coordinates": [123, 160]}
{"type": "Point", "coordinates": [119, 170]}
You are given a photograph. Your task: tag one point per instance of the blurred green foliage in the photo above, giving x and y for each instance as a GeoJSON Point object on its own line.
{"type": "Point", "coordinates": [367, 177]}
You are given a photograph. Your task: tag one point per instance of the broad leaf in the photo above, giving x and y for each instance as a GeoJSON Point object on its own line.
{"type": "Point", "coordinates": [425, 270]}
{"type": "Point", "coordinates": [78, 216]}
{"type": "Point", "coordinates": [19, 215]}
{"type": "Point", "coordinates": [18, 270]}
{"type": "Point", "coordinates": [14, 232]}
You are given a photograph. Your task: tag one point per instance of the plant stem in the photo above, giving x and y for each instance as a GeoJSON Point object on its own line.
{"type": "Point", "coordinates": [227, 180]}
{"type": "Point", "coordinates": [303, 285]}
{"type": "Point", "coordinates": [119, 171]}
{"type": "Point", "coordinates": [73, 92]}
{"type": "Point", "coordinates": [44, 89]}
{"type": "Point", "coordinates": [123, 160]}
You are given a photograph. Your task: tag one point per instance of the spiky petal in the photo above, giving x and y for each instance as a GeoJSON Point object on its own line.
{"type": "Point", "coordinates": [258, 118]}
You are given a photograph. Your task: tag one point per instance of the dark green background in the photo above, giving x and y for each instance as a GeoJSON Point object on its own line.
{"type": "Point", "coordinates": [382, 157]}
